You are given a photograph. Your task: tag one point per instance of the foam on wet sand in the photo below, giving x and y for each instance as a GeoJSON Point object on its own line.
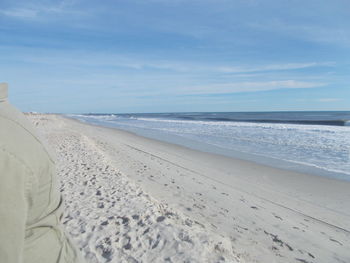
{"type": "Point", "coordinates": [132, 199]}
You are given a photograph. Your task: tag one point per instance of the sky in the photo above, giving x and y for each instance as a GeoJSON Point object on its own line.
{"type": "Point", "coordinates": [119, 56]}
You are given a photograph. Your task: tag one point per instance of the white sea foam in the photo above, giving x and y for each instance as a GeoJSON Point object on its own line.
{"type": "Point", "coordinates": [250, 124]}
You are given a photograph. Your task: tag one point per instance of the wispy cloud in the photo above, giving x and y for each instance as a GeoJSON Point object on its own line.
{"type": "Point", "coordinates": [329, 99]}
{"type": "Point", "coordinates": [139, 63]}
{"type": "Point", "coordinates": [20, 13]}
{"type": "Point", "coordinates": [188, 67]}
{"type": "Point", "coordinates": [32, 11]}
{"type": "Point", "coordinates": [222, 89]}
{"type": "Point", "coordinates": [243, 87]}
{"type": "Point", "coordinates": [274, 67]}
{"type": "Point", "coordinates": [310, 32]}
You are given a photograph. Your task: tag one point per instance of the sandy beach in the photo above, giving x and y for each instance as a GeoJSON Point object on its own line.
{"type": "Point", "coordinates": [133, 199]}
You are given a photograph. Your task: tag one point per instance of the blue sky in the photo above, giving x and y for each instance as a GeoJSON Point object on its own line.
{"type": "Point", "coordinates": [79, 56]}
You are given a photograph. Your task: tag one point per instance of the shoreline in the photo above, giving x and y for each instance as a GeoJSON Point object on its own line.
{"type": "Point", "coordinates": [273, 162]}
{"type": "Point", "coordinates": [243, 161]}
{"type": "Point", "coordinates": [268, 214]}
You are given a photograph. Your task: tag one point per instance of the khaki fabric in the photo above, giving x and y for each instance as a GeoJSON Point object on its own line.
{"type": "Point", "coordinates": [30, 203]}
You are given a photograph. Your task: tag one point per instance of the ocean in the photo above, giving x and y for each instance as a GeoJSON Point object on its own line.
{"type": "Point", "coordinates": [311, 142]}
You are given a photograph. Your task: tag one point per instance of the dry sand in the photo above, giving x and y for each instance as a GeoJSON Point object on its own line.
{"type": "Point", "coordinates": [133, 199]}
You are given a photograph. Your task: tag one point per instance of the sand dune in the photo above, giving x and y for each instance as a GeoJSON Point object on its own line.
{"type": "Point", "coordinates": [132, 199]}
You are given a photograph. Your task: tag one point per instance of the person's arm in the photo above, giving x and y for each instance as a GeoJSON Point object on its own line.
{"type": "Point", "coordinates": [13, 207]}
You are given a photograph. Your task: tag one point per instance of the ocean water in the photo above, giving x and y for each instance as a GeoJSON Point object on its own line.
{"type": "Point", "coordinates": [310, 142]}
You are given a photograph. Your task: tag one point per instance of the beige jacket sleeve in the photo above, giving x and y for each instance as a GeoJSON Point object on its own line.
{"type": "Point", "coordinates": [13, 207]}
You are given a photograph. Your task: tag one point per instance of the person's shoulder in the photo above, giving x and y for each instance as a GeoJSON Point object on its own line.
{"type": "Point", "coordinates": [18, 137]}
